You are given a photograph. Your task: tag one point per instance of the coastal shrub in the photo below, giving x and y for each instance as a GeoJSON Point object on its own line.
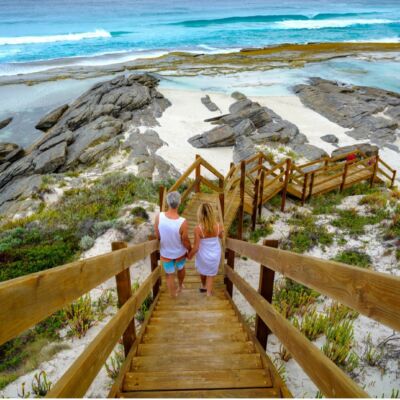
{"type": "Point", "coordinates": [26, 352]}
{"type": "Point", "coordinates": [362, 188]}
{"type": "Point", "coordinates": [113, 365]}
{"type": "Point", "coordinates": [86, 242]}
{"type": "Point", "coordinates": [375, 201]}
{"type": "Point", "coordinates": [80, 316]}
{"type": "Point", "coordinates": [372, 354]}
{"type": "Point", "coordinates": [326, 203]}
{"type": "Point", "coordinates": [263, 228]}
{"type": "Point", "coordinates": [393, 229]}
{"type": "Point", "coordinates": [105, 300]}
{"type": "Point", "coordinates": [23, 251]}
{"type": "Point", "coordinates": [51, 237]}
{"type": "Point", "coordinates": [338, 312]}
{"type": "Point", "coordinates": [40, 384]}
{"type": "Point", "coordinates": [354, 257]}
{"type": "Point", "coordinates": [22, 393]}
{"type": "Point", "coordinates": [140, 212]}
{"type": "Point", "coordinates": [292, 298]}
{"type": "Point", "coordinates": [312, 325]}
{"type": "Point", "coordinates": [275, 202]}
{"type": "Point", "coordinates": [305, 233]}
{"type": "Point", "coordinates": [339, 343]}
{"type": "Point", "coordinates": [354, 223]}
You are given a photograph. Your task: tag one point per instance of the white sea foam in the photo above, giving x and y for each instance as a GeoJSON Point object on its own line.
{"type": "Point", "coordinates": [70, 37]}
{"type": "Point", "coordinates": [329, 23]}
{"type": "Point", "coordinates": [393, 39]}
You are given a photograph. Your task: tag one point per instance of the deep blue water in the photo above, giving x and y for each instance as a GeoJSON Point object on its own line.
{"type": "Point", "coordinates": [42, 30]}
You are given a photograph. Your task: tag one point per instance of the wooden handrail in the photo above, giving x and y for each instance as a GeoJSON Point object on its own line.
{"type": "Point", "coordinates": [213, 170]}
{"type": "Point", "coordinates": [78, 378]}
{"type": "Point", "coordinates": [381, 171]}
{"type": "Point", "coordinates": [386, 165]}
{"type": "Point", "coordinates": [189, 189]}
{"type": "Point", "coordinates": [27, 300]}
{"type": "Point", "coordinates": [331, 380]}
{"type": "Point", "coordinates": [211, 185]}
{"type": "Point", "coordinates": [371, 293]}
{"type": "Point", "coordinates": [185, 175]}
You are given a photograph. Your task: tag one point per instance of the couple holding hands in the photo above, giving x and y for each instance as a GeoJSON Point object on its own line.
{"type": "Point", "coordinates": [175, 246]}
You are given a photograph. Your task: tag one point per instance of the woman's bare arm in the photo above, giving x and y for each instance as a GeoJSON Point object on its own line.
{"type": "Point", "coordinates": [185, 236]}
{"type": "Point", "coordinates": [196, 244]}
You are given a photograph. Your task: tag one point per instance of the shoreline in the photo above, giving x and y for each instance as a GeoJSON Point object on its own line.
{"type": "Point", "coordinates": [189, 63]}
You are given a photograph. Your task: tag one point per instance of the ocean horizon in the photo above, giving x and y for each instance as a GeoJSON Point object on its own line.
{"type": "Point", "coordinates": [35, 36]}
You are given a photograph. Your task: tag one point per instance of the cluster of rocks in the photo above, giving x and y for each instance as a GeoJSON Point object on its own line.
{"type": "Point", "coordinates": [84, 132]}
{"type": "Point", "coordinates": [369, 113]}
{"type": "Point", "coordinates": [247, 125]}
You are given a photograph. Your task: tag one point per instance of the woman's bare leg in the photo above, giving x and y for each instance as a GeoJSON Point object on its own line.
{"type": "Point", "coordinates": [203, 281]}
{"type": "Point", "coordinates": [170, 279]}
{"type": "Point", "coordinates": [209, 285]}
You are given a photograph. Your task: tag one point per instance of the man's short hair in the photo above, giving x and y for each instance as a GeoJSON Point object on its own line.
{"type": "Point", "coordinates": [173, 199]}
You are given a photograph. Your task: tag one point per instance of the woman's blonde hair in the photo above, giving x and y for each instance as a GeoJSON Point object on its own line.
{"type": "Point", "coordinates": [206, 218]}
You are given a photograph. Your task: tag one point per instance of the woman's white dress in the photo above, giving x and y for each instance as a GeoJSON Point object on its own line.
{"type": "Point", "coordinates": [208, 257]}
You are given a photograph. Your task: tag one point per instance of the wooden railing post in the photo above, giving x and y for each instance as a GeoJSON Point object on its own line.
{"type": "Point", "coordinates": [154, 261]}
{"type": "Point", "coordinates": [124, 291]}
{"type": "Point", "coordinates": [346, 168]}
{"type": "Point", "coordinates": [311, 184]}
{"type": "Point", "coordinates": [161, 197]}
{"type": "Point", "coordinates": [393, 179]}
{"type": "Point", "coordinates": [265, 288]}
{"type": "Point", "coordinates": [303, 195]}
{"type": "Point", "coordinates": [374, 171]}
{"type": "Point", "coordinates": [255, 204]}
{"type": "Point", "coordinates": [222, 197]}
{"type": "Point", "coordinates": [286, 183]}
{"type": "Point", "coordinates": [198, 174]}
{"type": "Point", "coordinates": [230, 260]}
{"type": "Point", "coordinates": [260, 201]}
{"type": "Point", "coordinates": [241, 207]}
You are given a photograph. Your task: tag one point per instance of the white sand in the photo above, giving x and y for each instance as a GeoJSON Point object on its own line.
{"type": "Point", "coordinates": [184, 119]}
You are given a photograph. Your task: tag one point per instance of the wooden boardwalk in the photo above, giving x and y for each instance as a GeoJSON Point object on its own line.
{"type": "Point", "coordinates": [194, 346]}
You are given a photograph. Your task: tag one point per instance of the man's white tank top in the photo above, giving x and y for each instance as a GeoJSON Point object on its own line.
{"type": "Point", "coordinates": [171, 245]}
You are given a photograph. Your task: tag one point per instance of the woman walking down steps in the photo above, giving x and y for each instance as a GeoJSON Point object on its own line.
{"type": "Point", "coordinates": [207, 247]}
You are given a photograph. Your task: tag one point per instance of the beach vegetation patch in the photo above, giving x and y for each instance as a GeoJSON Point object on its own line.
{"type": "Point", "coordinates": [354, 257]}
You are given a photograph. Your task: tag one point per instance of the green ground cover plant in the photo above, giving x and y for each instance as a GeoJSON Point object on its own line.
{"type": "Point", "coordinates": [354, 257]}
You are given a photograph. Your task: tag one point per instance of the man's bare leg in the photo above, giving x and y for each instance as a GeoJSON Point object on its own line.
{"type": "Point", "coordinates": [170, 279]}
{"type": "Point", "coordinates": [181, 277]}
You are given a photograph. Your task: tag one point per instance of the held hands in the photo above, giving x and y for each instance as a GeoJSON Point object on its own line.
{"type": "Point", "coordinates": [190, 254]}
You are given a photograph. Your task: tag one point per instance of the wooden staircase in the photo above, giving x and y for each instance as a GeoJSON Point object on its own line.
{"type": "Point", "coordinates": [195, 346]}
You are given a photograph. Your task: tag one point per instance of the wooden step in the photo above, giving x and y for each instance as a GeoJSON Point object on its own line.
{"type": "Point", "coordinates": [261, 393]}
{"type": "Point", "coordinates": [194, 314]}
{"type": "Point", "coordinates": [148, 349]}
{"type": "Point", "coordinates": [219, 379]}
{"type": "Point", "coordinates": [236, 335]}
{"type": "Point", "coordinates": [168, 328]}
{"type": "Point", "coordinates": [189, 320]}
{"type": "Point", "coordinates": [199, 362]}
{"type": "Point", "coordinates": [190, 306]}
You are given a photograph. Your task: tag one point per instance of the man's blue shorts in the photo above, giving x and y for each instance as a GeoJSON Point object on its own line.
{"type": "Point", "coordinates": [169, 266]}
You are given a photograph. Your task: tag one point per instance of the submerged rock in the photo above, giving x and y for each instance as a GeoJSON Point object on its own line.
{"type": "Point", "coordinates": [5, 122]}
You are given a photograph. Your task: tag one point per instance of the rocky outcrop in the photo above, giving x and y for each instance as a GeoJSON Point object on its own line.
{"type": "Point", "coordinates": [369, 113]}
{"type": "Point", "coordinates": [143, 147]}
{"type": "Point", "coordinates": [50, 119]}
{"type": "Point", "coordinates": [209, 104]}
{"type": "Point", "coordinates": [330, 139]}
{"type": "Point", "coordinates": [368, 149]}
{"type": "Point", "coordinates": [5, 122]}
{"type": "Point", "coordinates": [86, 131]}
{"type": "Point", "coordinates": [247, 125]}
{"type": "Point", "coordinates": [10, 152]}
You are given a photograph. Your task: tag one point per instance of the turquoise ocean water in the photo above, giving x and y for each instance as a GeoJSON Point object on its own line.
{"type": "Point", "coordinates": [37, 34]}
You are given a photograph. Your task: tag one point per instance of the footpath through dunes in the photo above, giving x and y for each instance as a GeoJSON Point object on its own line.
{"type": "Point", "coordinates": [194, 346]}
